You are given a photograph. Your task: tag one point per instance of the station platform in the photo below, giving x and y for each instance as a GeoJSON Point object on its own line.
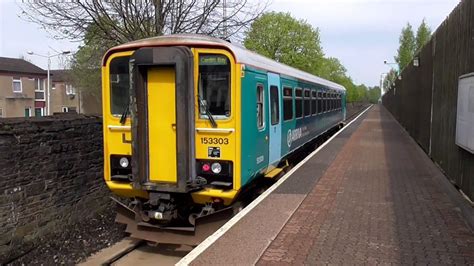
{"type": "Point", "coordinates": [369, 196]}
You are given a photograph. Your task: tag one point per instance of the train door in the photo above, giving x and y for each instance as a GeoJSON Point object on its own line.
{"type": "Point", "coordinates": [275, 118]}
{"type": "Point", "coordinates": [162, 124]}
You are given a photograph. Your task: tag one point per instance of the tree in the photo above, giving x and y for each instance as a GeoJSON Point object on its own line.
{"type": "Point", "coordinates": [103, 24]}
{"type": "Point", "coordinates": [87, 61]}
{"type": "Point", "coordinates": [407, 47]}
{"type": "Point", "coordinates": [374, 94]}
{"type": "Point", "coordinates": [124, 21]}
{"type": "Point", "coordinates": [362, 93]}
{"type": "Point", "coordinates": [296, 43]}
{"type": "Point", "coordinates": [285, 39]}
{"type": "Point", "coordinates": [332, 69]}
{"type": "Point", "coordinates": [423, 35]}
{"type": "Point", "coordinates": [389, 79]}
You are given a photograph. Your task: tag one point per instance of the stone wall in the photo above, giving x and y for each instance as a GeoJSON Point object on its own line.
{"type": "Point", "coordinates": [50, 176]}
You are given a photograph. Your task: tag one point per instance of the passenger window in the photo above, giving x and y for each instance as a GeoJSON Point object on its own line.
{"type": "Point", "coordinates": [260, 107]}
{"type": "Point", "coordinates": [313, 102]}
{"type": "Point", "coordinates": [325, 97]}
{"type": "Point", "coordinates": [331, 101]}
{"type": "Point", "coordinates": [214, 84]}
{"type": "Point", "coordinates": [299, 102]}
{"type": "Point", "coordinates": [274, 105]}
{"type": "Point", "coordinates": [307, 102]}
{"type": "Point", "coordinates": [320, 103]}
{"type": "Point", "coordinates": [287, 103]}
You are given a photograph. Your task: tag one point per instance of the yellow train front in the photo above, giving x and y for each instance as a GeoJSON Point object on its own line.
{"type": "Point", "coordinates": [190, 120]}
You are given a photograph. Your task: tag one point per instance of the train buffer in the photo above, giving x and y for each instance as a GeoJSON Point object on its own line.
{"type": "Point", "coordinates": [370, 195]}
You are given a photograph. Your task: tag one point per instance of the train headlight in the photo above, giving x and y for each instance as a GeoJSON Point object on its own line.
{"type": "Point", "coordinates": [124, 162]}
{"type": "Point", "coordinates": [216, 168]}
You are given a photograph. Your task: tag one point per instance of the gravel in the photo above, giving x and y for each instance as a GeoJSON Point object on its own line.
{"type": "Point", "coordinates": [76, 242]}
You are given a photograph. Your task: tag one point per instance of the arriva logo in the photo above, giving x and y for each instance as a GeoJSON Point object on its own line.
{"type": "Point", "coordinates": [293, 135]}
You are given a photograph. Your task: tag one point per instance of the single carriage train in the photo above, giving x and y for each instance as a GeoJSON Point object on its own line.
{"type": "Point", "coordinates": [190, 121]}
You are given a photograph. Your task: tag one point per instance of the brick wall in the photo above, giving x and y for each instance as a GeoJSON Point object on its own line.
{"type": "Point", "coordinates": [50, 176]}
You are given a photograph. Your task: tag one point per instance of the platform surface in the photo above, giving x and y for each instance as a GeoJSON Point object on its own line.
{"type": "Point", "coordinates": [370, 196]}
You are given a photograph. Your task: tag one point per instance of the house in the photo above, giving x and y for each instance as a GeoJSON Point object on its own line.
{"type": "Point", "coordinates": [64, 97]}
{"type": "Point", "coordinates": [24, 93]}
{"type": "Point", "coordinates": [22, 88]}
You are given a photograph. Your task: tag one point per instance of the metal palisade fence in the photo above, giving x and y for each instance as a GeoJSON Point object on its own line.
{"type": "Point", "coordinates": [424, 100]}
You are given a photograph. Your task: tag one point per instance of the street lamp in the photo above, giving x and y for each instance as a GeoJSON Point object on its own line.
{"type": "Point", "coordinates": [48, 56]}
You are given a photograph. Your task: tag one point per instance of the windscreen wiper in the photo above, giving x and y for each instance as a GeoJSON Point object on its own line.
{"type": "Point", "coordinates": [203, 104]}
{"type": "Point", "coordinates": [123, 118]}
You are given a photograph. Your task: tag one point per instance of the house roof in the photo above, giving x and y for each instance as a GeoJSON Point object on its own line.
{"type": "Point", "coordinates": [16, 65]}
{"type": "Point", "coordinates": [59, 75]}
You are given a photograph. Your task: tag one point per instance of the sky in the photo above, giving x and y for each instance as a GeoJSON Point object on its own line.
{"type": "Point", "coordinates": [360, 33]}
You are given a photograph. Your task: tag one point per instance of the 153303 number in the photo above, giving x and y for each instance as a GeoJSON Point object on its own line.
{"type": "Point", "coordinates": [221, 141]}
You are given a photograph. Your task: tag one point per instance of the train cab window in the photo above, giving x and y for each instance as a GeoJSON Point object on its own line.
{"type": "Point", "coordinates": [119, 84]}
{"type": "Point", "coordinates": [313, 102]}
{"type": "Point", "coordinates": [287, 103]}
{"type": "Point", "coordinates": [214, 85]}
{"type": "Point", "coordinates": [307, 102]}
{"type": "Point", "coordinates": [320, 102]}
{"type": "Point", "coordinates": [274, 105]}
{"type": "Point", "coordinates": [260, 107]}
{"type": "Point", "coordinates": [299, 102]}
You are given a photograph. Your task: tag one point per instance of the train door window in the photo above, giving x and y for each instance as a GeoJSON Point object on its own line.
{"type": "Point", "coordinates": [307, 102]}
{"type": "Point", "coordinates": [287, 103]}
{"type": "Point", "coordinates": [274, 105]}
{"type": "Point", "coordinates": [214, 85]}
{"type": "Point", "coordinates": [299, 102]}
{"type": "Point", "coordinates": [260, 107]}
{"type": "Point", "coordinates": [313, 102]}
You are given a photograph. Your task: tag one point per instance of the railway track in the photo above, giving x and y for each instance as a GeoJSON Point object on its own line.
{"type": "Point", "coordinates": [129, 251]}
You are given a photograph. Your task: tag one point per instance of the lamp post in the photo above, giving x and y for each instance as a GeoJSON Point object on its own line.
{"type": "Point", "coordinates": [48, 56]}
{"type": "Point", "coordinates": [381, 83]}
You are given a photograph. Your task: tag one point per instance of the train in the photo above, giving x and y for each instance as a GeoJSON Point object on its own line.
{"type": "Point", "coordinates": [191, 121]}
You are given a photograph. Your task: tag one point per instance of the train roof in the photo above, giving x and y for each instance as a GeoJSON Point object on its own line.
{"type": "Point", "coordinates": [241, 55]}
